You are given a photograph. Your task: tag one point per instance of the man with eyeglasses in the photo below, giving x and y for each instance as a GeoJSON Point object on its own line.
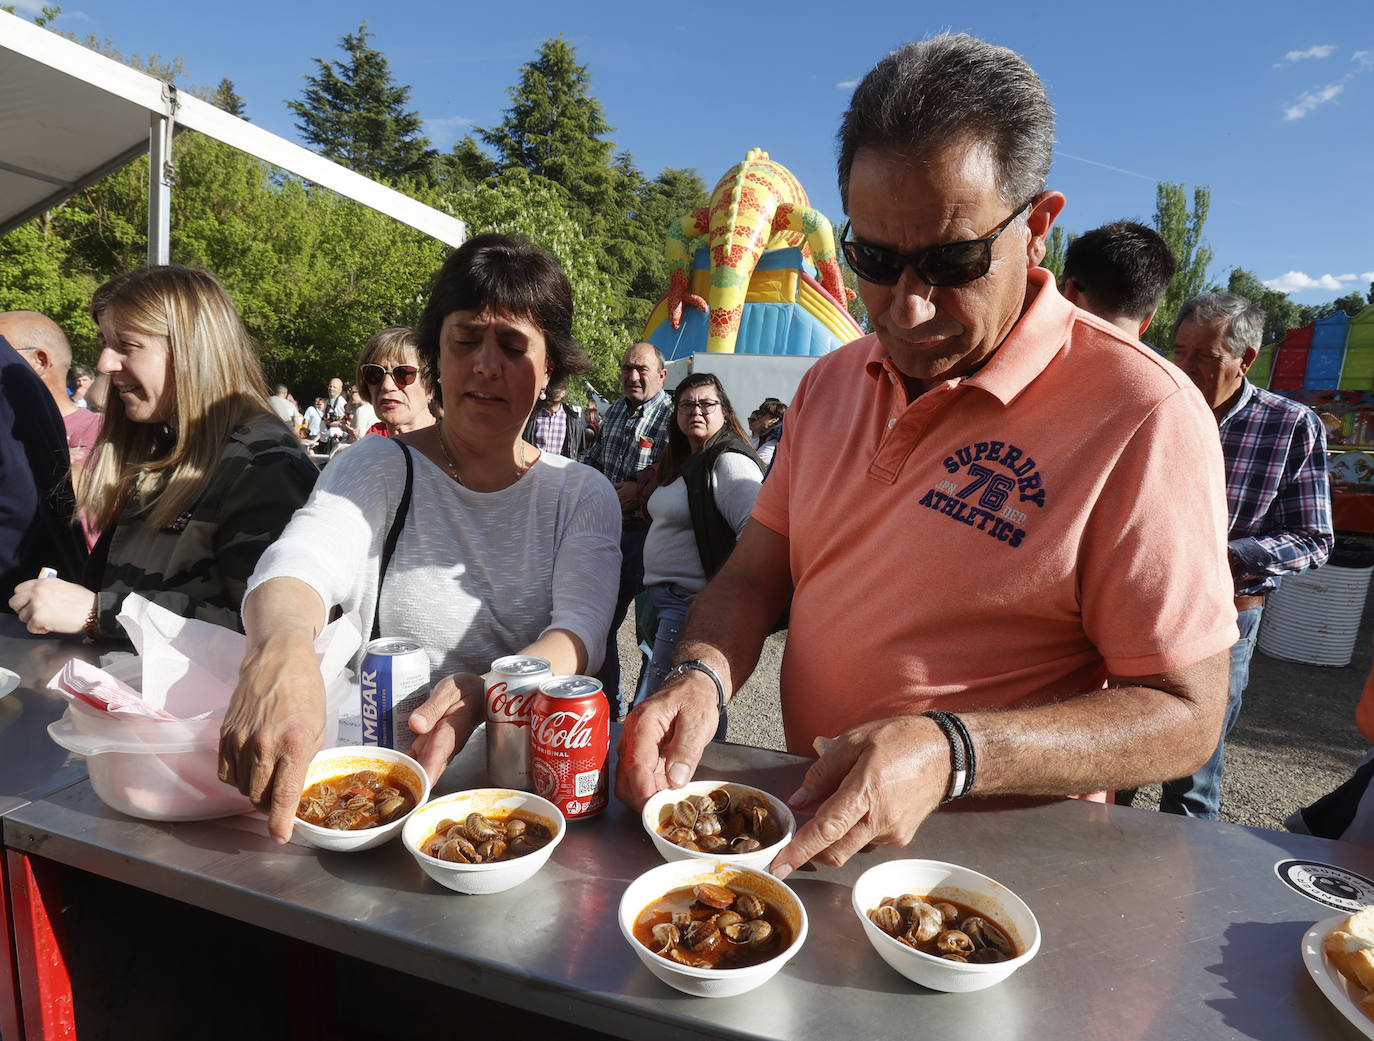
{"type": "Point", "coordinates": [1001, 522]}
{"type": "Point", "coordinates": [633, 435]}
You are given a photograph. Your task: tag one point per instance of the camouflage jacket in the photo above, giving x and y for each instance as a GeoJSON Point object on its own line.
{"type": "Point", "coordinates": [199, 565]}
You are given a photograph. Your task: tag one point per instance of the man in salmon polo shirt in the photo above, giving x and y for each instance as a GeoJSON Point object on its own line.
{"type": "Point", "coordinates": [997, 508]}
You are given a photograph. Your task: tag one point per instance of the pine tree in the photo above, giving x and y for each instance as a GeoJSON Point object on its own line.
{"type": "Point", "coordinates": [355, 113]}
{"type": "Point", "coordinates": [555, 129]}
{"type": "Point", "coordinates": [227, 98]}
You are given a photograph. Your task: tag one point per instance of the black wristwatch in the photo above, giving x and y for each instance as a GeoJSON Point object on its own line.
{"type": "Point", "coordinates": [696, 664]}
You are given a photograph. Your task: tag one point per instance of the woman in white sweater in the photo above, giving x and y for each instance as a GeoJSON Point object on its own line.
{"type": "Point", "coordinates": [502, 550]}
{"type": "Point", "coordinates": [707, 481]}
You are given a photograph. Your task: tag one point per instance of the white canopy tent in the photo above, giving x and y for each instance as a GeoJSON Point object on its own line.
{"type": "Point", "coordinates": [69, 116]}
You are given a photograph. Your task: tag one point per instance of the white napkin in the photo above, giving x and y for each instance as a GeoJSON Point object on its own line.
{"type": "Point", "coordinates": [190, 667]}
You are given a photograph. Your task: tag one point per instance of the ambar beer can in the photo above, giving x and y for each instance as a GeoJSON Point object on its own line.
{"type": "Point", "coordinates": [512, 684]}
{"type": "Point", "coordinates": [570, 740]}
{"type": "Point", "coordinates": [395, 682]}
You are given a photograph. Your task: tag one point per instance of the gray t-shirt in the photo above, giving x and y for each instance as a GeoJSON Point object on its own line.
{"type": "Point", "coordinates": [670, 550]}
{"type": "Point", "coordinates": [475, 575]}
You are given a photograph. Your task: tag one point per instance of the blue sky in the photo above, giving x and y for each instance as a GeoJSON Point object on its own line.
{"type": "Point", "coordinates": [1266, 103]}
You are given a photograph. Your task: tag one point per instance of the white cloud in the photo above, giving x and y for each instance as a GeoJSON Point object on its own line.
{"type": "Point", "coordinates": [1322, 50]}
{"type": "Point", "coordinates": [846, 84]}
{"type": "Point", "coordinates": [1313, 99]}
{"type": "Point", "coordinates": [1298, 281]}
{"type": "Point", "coordinates": [1365, 59]}
{"type": "Point", "coordinates": [445, 129]}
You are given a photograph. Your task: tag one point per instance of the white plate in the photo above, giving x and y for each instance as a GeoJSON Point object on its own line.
{"type": "Point", "coordinates": [1338, 990]}
{"type": "Point", "coordinates": [8, 681]}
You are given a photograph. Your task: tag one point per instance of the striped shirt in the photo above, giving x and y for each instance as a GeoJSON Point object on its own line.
{"type": "Point", "coordinates": [1277, 489]}
{"type": "Point", "coordinates": [631, 439]}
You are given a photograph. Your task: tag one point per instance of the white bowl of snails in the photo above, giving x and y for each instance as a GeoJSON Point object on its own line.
{"type": "Point", "coordinates": [348, 761]}
{"type": "Point", "coordinates": [1005, 932]}
{"type": "Point", "coordinates": [500, 806]}
{"type": "Point", "coordinates": [701, 806]}
{"type": "Point", "coordinates": [680, 962]}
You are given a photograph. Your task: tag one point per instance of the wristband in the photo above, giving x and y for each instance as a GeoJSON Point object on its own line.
{"type": "Point", "coordinates": [696, 664]}
{"type": "Point", "coordinates": [962, 759]}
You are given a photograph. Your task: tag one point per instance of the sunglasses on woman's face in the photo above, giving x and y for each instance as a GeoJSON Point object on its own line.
{"type": "Point", "coordinates": [404, 375]}
{"type": "Point", "coordinates": [950, 264]}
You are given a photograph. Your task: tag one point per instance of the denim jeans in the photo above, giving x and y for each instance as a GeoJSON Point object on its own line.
{"type": "Point", "coordinates": [671, 603]}
{"type": "Point", "coordinates": [631, 582]}
{"type": "Point", "coordinates": [1200, 795]}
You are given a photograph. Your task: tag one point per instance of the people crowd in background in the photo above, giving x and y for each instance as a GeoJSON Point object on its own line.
{"type": "Point", "coordinates": [493, 516]}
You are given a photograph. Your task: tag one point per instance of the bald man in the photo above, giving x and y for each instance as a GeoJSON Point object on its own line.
{"type": "Point", "coordinates": [44, 346]}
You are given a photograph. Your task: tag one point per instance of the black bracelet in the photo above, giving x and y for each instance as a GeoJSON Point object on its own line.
{"type": "Point", "coordinates": [957, 784]}
{"type": "Point", "coordinates": [970, 757]}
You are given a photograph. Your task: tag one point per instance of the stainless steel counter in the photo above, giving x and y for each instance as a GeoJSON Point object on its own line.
{"type": "Point", "coordinates": [1154, 926]}
{"type": "Point", "coordinates": [31, 765]}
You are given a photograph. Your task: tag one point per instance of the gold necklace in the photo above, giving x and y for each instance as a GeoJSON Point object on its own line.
{"type": "Point", "coordinates": [521, 467]}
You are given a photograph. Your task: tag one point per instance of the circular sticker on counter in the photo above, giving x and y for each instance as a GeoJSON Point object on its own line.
{"type": "Point", "coordinates": [1327, 884]}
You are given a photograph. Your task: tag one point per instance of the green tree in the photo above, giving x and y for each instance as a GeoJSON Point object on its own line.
{"type": "Point", "coordinates": [355, 113]}
{"type": "Point", "coordinates": [227, 98]}
{"type": "Point", "coordinates": [555, 128]}
{"type": "Point", "coordinates": [1182, 230]}
{"type": "Point", "coordinates": [1057, 251]}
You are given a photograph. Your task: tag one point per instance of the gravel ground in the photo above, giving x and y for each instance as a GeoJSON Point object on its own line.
{"type": "Point", "coordinates": [1295, 739]}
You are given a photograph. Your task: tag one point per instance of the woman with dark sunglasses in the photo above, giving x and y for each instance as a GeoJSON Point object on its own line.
{"type": "Point", "coordinates": [460, 535]}
{"type": "Point", "coordinates": [390, 380]}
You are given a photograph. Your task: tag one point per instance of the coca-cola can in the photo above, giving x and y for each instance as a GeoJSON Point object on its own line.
{"type": "Point", "coordinates": [395, 682]}
{"type": "Point", "coordinates": [570, 741]}
{"type": "Point", "coordinates": [512, 684]}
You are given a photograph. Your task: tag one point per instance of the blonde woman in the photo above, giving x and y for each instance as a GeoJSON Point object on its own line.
{"type": "Point", "coordinates": [392, 380]}
{"type": "Point", "coordinates": [193, 475]}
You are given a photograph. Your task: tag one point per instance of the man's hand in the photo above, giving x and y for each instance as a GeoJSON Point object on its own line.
{"type": "Point", "coordinates": [51, 605]}
{"type": "Point", "coordinates": [446, 720]}
{"type": "Point", "coordinates": [664, 737]}
{"type": "Point", "coordinates": [274, 727]}
{"type": "Point", "coordinates": [628, 494]}
{"type": "Point", "coordinates": [876, 783]}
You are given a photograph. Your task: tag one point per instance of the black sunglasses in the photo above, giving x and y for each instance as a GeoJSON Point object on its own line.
{"type": "Point", "coordinates": [404, 375]}
{"type": "Point", "coordinates": [950, 264]}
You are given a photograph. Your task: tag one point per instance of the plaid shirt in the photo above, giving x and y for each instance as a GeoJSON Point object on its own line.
{"type": "Point", "coordinates": [550, 428]}
{"type": "Point", "coordinates": [631, 440]}
{"type": "Point", "coordinates": [1277, 490]}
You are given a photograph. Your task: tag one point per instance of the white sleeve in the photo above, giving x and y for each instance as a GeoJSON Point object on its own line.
{"type": "Point", "coordinates": [586, 565]}
{"type": "Point", "coordinates": [333, 543]}
{"type": "Point", "coordinates": [736, 480]}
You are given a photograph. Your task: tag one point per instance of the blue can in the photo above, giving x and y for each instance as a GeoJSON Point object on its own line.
{"type": "Point", "coordinates": [395, 682]}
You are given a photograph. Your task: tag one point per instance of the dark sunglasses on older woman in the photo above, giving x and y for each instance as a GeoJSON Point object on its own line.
{"type": "Point", "coordinates": [949, 264]}
{"type": "Point", "coordinates": [404, 375]}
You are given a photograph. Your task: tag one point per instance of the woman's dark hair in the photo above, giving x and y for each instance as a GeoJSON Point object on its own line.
{"type": "Point", "coordinates": [510, 276]}
{"type": "Point", "coordinates": [679, 448]}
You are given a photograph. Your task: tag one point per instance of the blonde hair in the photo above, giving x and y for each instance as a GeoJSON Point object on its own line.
{"type": "Point", "coordinates": [217, 380]}
{"type": "Point", "coordinates": [395, 341]}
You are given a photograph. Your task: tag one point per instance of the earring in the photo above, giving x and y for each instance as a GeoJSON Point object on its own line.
{"type": "Point", "coordinates": [543, 394]}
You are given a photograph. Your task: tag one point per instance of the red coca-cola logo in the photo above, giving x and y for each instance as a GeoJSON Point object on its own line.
{"type": "Point", "coordinates": [564, 730]}
{"type": "Point", "coordinates": [506, 707]}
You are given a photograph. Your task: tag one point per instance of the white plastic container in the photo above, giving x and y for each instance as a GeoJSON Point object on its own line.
{"type": "Point", "coordinates": [1314, 616]}
{"type": "Point", "coordinates": [164, 770]}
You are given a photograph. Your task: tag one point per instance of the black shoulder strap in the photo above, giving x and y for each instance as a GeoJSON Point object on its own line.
{"type": "Point", "coordinates": [397, 523]}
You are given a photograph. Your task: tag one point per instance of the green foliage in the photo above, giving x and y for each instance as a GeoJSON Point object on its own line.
{"type": "Point", "coordinates": [1057, 251]}
{"type": "Point", "coordinates": [32, 278]}
{"type": "Point", "coordinates": [355, 113]}
{"type": "Point", "coordinates": [227, 98]}
{"type": "Point", "coordinates": [1182, 230]}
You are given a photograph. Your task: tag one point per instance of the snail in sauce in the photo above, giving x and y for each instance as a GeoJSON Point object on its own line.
{"type": "Point", "coordinates": [479, 839]}
{"type": "Point", "coordinates": [352, 802]}
{"type": "Point", "coordinates": [710, 926]}
{"type": "Point", "coordinates": [943, 929]}
{"type": "Point", "coordinates": [720, 823]}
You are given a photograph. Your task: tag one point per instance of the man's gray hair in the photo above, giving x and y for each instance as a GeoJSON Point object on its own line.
{"type": "Point", "coordinates": [954, 90]}
{"type": "Point", "coordinates": [1244, 319]}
